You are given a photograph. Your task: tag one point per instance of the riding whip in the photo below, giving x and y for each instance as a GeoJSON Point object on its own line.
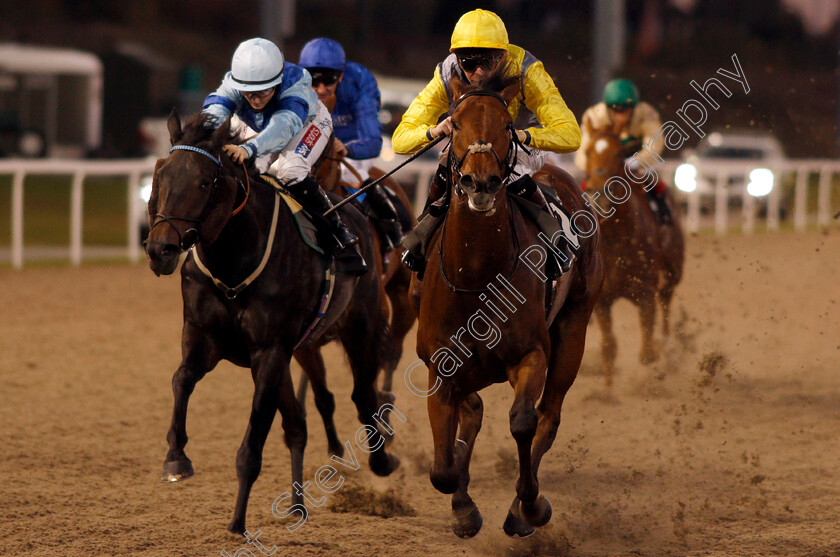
{"type": "Point", "coordinates": [349, 198]}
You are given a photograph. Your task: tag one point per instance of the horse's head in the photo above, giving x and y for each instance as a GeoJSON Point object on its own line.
{"type": "Point", "coordinates": [482, 132]}
{"type": "Point", "coordinates": [192, 192]}
{"type": "Point", "coordinates": [604, 159]}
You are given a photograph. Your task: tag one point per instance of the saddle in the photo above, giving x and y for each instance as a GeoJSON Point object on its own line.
{"type": "Point", "coordinates": [313, 231]}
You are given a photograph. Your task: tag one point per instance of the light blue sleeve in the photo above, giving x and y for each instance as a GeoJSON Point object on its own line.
{"type": "Point", "coordinates": [220, 103]}
{"type": "Point", "coordinates": [298, 106]}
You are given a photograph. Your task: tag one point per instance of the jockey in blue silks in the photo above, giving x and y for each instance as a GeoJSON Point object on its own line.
{"type": "Point", "coordinates": [355, 117]}
{"type": "Point", "coordinates": [275, 99]}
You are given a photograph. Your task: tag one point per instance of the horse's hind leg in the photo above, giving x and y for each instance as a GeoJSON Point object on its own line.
{"type": "Point", "coordinates": [647, 316]}
{"type": "Point", "coordinates": [664, 296]}
{"type": "Point", "coordinates": [362, 354]}
{"type": "Point", "coordinates": [467, 519]}
{"type": "Point", "coordinates": [609, 346]}
{"type": "Point", "coordinates": [312, 362]}
{"type": "Point", "coordinates": [200, 358]}
{"type": "Point", "coordinates": [273, 390]}
{"type": "Point", "coordinates": [402, 320]}
{"type": "Point", "coordinates": [528, 380]}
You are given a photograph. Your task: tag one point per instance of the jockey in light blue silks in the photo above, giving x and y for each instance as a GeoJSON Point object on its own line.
{"type": "Point", "coordinates": [355, 117]}
{"type": "Point", "coordinates": [275, 99]}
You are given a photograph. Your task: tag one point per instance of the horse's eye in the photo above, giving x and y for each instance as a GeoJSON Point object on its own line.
{"type": "Point", "coordinates": [454, 125]}
{"type": "Point", "coordinates": [204, 185]}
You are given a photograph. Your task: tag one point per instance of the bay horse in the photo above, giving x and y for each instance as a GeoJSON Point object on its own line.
{"type": "Point", "coordinates": [481, 241]}
{"type": "Point", "coordinates": [396, 277]}
{"type": "Point", "coordinates": [234, 221]}
{"type": "Point", "coordinates": [643, 259]}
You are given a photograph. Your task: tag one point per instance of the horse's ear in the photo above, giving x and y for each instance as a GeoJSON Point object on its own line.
{"type": "Point", "coordinates": [221, 210]}
{"type": "Point", "coordinates": [153, 198]}
{"type": "Point", "coordinates": [174, 125]}
{"type": "Point", "coordinates": [222, 135]}
{"type": "Point", "coordinates": [457, 86]}
{"type": "Point", "coordinates": [510, 91]}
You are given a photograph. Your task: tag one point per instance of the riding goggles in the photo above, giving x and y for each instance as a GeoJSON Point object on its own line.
{"type": "Point", "coordinates": [327, 77]}
{"type": "Point", "coordinates": [487, 60]}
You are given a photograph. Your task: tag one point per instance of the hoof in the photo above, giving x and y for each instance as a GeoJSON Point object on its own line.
{"type": "Point", "coordinates": [236, 531]}
{"type": "Point", "coordinates": [337, 451]}
{"type": "Point", "coordinates": [177, 470]}
{"type": "Point", "coordinates": [514, 526]}
{"type": "Point", "coordinates": [391, 464]}
{"type": "Point", "coordinates": [537, 513]}
{"type": "Point", "coordinates": [468, 525]}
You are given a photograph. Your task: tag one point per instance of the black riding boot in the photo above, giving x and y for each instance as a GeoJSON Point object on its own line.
{"type": "Point", "coordinates": [387, 218]}
{"type": "Point", "coordinates": [310, 193]}
{"type": "Point", "coordinates": [660, 208]}
{"type": "Point", "coordinates": [416, 241]}
{"type": "Point", "coordinates": [526, 188]}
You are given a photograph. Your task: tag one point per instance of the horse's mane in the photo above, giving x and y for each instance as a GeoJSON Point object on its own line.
{"type": "Point", "coordinates": [196, 130]}
{"type": "Point", "coordinates": [496, 84]}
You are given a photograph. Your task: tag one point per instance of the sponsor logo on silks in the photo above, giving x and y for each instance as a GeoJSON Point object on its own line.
{"type": "Point", "coordinates": [311, 136]}
{"type": "Point", "coordinates": [302, 149]}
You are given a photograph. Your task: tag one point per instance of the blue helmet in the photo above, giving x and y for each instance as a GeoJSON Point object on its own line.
{"type": "Point", "coordinates": [322, 53]}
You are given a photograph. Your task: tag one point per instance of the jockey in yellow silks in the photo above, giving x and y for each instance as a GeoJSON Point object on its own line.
{"type": "Point", "coordinates": [480, 51]}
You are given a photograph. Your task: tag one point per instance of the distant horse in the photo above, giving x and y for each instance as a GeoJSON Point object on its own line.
{"type": "Point", "coordinates": [236, 223]}
{"type": "Point", "coordinates": [473, 333]}
{"type": "Point", "coordinates": [644, 260]}
{"type": "Point", "coordinates": [395, 277]}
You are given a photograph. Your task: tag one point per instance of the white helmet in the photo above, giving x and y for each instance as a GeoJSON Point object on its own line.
{"type": "Point", "coordinates": [257, 64]}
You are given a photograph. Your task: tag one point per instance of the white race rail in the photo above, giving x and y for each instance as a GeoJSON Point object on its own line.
{"type": "Point", "coordinates": [79, 170]}
{"type": "Point", "coordinates": [421, 172]}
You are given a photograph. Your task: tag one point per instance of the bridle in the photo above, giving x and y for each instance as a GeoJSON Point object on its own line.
{"type": "Point", "coordinates": [214, 183]}
{"type": "Point", "coordinates": [480, 146]}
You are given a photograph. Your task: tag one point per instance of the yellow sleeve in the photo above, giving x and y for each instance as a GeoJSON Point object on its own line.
{"type": "Point", "coordinates": [422, 114]}
{"type": "Point", "coordinates": [585, 139]}
{"type": "Point", "coordinates": [560, 132]}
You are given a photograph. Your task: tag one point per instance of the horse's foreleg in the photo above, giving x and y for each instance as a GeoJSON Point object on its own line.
{"type": "Point", "coordinates": [467, 519]}
{"type": "Point", "coordinates": [200, 356]}
{"type": "Point", "coordinates": [647, 316]}
{"type": "Point", "coordinates": [443, 417]}
{"type": "Point", "coordinates": [527, 379]}
{"type": "Point", "coordinates": [609, 346]}
{"type": "Point", "coordinates": [312, 362]}
{"type": "Point", "coordinates": [402, 318]}
{"type": "Point", "coordinates": [567, 343]}
{"type": "Point", "coordinates": [273, 390]}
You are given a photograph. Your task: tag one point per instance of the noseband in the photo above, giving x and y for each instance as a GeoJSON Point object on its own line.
{"type": "Point", "coordinates": [160, 217]}
{"type": "Point", "coordinates": [481, 146]}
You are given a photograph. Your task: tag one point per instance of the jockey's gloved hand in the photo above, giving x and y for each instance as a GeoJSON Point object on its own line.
{"type": "Point", "coordinates": [237, 153]}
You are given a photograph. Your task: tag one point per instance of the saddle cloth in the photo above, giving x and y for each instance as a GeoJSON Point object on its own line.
{"type": "Point", "coordinates": [306, 224]}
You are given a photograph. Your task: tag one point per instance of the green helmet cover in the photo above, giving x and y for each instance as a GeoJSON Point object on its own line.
{"type": "Point", "coordinates": [621, 92]}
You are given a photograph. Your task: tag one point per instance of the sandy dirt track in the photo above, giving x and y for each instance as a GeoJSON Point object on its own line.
{"type": "Point", "coordinates": [728, 446]}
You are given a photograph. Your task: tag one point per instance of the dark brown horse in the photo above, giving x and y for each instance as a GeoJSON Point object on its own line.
{"type": "Point", "coordinates": [395, 276]}
{"type": "Point", "coordinates": [482, 313]}
{"type": "Point", "coordinates": [644, 260]}
{"type": "Point", "coordinates": [199, 198]}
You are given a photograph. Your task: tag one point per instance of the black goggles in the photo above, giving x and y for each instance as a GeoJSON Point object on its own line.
{"type": "Point", "coordinates": [472, 61]}
{"type": "Point", "coordinates": [327, 77]}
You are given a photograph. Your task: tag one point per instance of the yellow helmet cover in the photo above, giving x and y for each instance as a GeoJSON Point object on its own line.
{"type": "Point", "coordinates": [479, 29]}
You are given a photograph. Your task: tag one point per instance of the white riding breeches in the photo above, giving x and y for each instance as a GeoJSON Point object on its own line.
{"type": "Point", "coordinates": [295, 160]}
{"type": "Point", "coordinates": [361, 166]}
